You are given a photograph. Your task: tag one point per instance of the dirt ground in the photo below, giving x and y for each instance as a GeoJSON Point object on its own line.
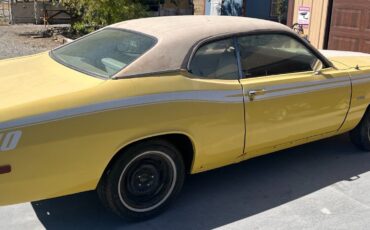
{"type": "Point", "coordinates": [16, 40]}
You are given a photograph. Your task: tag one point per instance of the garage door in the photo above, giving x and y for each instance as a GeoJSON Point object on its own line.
{"type": "Point", "coordinates": [350, 25]}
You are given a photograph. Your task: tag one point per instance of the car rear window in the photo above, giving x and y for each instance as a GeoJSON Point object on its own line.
{"type": "Point", "coordinates": [105, 52]}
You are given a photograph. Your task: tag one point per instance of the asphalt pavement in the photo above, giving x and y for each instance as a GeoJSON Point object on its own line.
{"type": "Point", "coordinates": [321, 185]}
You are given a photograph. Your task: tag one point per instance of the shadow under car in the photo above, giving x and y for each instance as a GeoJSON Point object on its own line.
{"type": "Point", "coordinates": [215, 198]}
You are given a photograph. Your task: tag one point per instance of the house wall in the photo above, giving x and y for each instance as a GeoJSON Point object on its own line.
{"type": "Point", "coordinates": [319, 13]}
{"type": "Point", "coordinates": [252, 8]}
{"type": "Point", "coordinates": [259, 9]}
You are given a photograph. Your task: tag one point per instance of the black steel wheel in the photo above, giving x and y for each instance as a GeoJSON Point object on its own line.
{"type": "Point", "coordinates": [360, 136]}
{"type": "Point", "coordinates": [143, 180]}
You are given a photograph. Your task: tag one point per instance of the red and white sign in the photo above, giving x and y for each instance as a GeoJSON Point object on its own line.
{"type": "Point", "coordinates": [304, 13]}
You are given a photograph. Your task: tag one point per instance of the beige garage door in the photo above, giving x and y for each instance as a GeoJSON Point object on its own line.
{"type": "Point", "coordinates": [350, 25]}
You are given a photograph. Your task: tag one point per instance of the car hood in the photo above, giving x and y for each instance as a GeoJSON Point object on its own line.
{"type": "Point", "coordinates": [347, 59]}
{"type": "Point", "coordinates": [38, 78]}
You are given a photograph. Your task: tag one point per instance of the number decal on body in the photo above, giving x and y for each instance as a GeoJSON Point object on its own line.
{"type": "Point", "coordinates": [10, 140]}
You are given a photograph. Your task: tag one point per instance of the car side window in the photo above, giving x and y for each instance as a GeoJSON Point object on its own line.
{"type": "Point", "coordinates": [215, 60]}
{"type": "Point", "coordinates": [273, 54]}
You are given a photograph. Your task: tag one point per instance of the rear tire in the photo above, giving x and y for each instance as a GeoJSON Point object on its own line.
{"type": "Point", "coordinates": [143, 180]}
{"type": "Point", "coordinates": [360, 136]}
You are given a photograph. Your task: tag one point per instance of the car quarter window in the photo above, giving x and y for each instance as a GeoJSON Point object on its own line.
{"type": "Point", "coordinates": [272, 54]}
{"type": "Point", "coordinates": [104, 53]}
{"type": "Point", "coordinates": [215, 60]}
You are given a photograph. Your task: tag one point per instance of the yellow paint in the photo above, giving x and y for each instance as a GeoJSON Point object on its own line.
{"type": "Point", "coordinates": [69, 155]}
{"type": "Point", "coordinates": [285, 119]}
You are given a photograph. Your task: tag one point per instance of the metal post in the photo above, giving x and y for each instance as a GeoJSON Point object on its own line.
{"type": "Point", "coordinates": [10, 11]}
{"type": "Point", "coordinates": [5, 10]}
{"type": "Point", "coordinates": [35, 10]}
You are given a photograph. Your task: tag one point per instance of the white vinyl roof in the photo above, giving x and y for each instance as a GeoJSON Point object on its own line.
{"type": "Point", "coordinates": [177, 35]}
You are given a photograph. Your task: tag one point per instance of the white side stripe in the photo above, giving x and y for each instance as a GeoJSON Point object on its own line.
{"type": "Point", "coordinates": [359, 79]}
{"type": "Point", "coordinates": [321, 83]}
{"type": "Point", "coordinates": [224, 96]}
{"type": "Point", "coordinates": [301, 88]}
{"type": "Point", "coordinates": [217, 96]}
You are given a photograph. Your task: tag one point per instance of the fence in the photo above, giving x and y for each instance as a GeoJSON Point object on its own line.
{"type": "Point", "coordinates": [5, 12]}
{"type": "Point", "coordinates": [38, 12]}
{"type": "Point", "coordinates": [32, 11]}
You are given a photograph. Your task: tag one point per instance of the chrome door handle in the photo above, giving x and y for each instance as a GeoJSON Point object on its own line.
{"type": "Point", "coordinates": [256, 92]}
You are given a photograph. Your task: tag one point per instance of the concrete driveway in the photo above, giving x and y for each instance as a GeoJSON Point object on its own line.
{"type": "Point", "coordinates": [322, 185]}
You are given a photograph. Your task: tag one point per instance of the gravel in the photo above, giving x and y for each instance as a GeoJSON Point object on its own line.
{"type": "Point", "coordinates": [17, 40]}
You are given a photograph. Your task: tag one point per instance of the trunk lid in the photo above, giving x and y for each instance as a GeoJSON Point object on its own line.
{"type": "Point", "coordinates": [347, 59]}
{"type": "Point", "coordinates": [37, 84]}
{"type": "Point", "coordinates": [31, 78]}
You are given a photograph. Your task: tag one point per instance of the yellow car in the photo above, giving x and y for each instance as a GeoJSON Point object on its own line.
{"type": "Point", "coordinates": [129, 110]}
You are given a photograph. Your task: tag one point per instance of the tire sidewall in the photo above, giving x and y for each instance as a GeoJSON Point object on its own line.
{"type": "Point", "coordinates": [364, 131]}
{"type": "Point", "coordinates": [115, 173]}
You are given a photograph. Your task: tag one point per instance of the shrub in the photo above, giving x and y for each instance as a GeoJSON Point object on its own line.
{"type": "Point", "coordinates": [88, 15]}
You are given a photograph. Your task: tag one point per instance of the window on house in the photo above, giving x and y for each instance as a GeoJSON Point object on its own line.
{"type": "Point", "coordinates": [279, 10]}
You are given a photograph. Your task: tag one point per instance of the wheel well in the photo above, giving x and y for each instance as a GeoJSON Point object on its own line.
{"type": "Point", "coordinates": [180, 141]}
{"type": "Point", "coordinates": [184, 145]}
{"type": "Point", "coordinates": [366, 111]}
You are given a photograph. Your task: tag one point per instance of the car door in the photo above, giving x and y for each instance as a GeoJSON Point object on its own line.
{"type": "Point", "coordinates": [285, 99]}
{"type": "Point", "coordinates": [213, 70]}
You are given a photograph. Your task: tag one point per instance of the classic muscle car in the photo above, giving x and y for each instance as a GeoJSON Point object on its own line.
{"type": "Point", "coordinates": [132, 108]}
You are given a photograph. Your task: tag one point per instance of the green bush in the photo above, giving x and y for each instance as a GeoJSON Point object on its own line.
{"type": "Point", "coordinates": [282, 10]}
{"type": "Point", "coordinates": [88, 15]}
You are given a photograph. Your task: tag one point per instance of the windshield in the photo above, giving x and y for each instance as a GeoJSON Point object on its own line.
{"type": "Point", "coordinates": [105, 52]}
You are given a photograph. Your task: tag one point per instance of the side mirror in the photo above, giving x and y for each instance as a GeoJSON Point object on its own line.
{"type": "Point", "coordinates": [317, 66]}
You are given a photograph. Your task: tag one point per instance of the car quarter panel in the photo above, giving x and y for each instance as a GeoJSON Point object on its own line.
{"type": "Point", "coordinates": [360, 96]}
{"type": "Point", "coordinates": [66, 151]}
{"type": "Point", "coordinates": [357, 65]}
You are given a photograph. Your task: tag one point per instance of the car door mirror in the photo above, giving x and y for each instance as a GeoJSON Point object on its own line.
{"type": "Point", "coordinates": [317, 66]}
